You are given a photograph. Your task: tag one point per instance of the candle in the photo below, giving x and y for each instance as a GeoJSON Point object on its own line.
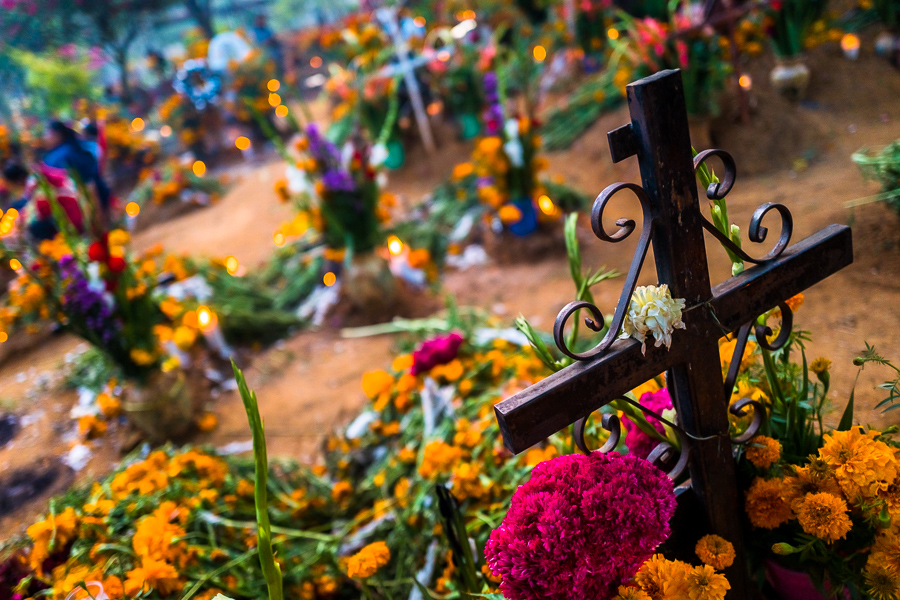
{"type": "Point", "coordinates": [209, 326]}
{"type": "Point", "coordinates": [850, 46]}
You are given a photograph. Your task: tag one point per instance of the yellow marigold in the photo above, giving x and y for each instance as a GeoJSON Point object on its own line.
{"type": "Point", "coordinates": [863, 466]}
{"type": "Point", "coordinates": [703, 583]}
{"type": "Point", "coordinates": [245, 488]}
{"type": "Point", "coordinates": [439, 459]}
{"type": "Point", "coordinates": [155, 535]}
{"type": "Point", "coordinates": [886, 550]}
{"type": "Point", "coordinates": [882, 582]}
{"type": "Point", "coordinates": [489, 145]}
{"type": "Point", "coordinates": [58, 529]}
{"type": "Point", "coordinates": [763, 451]}
{"type": "Point", "coordinates": [824, 516]}
{"type": "Point", "coordinates": [367, 561]}
{"type": "Point", "coordinates": [401, 491]}
{"type": "Point", "coordinates": [207, 422]}
{"type": "Point", "coordinates": [629, 592]}
{"type": "Point", "coordinates": [794, 302]}
{"type": "Point", "coordinates": [820, 366]}
{"type": "Point", "coordinates": [109, 406]}
{"type": "Point", "coordinates": [510, 214]}
{"type": "Point", "coordinates": [536, 456]}
{"type": "Point", "coordinates": [726, 353]}
{"type": "Point", "coordinates": [184, 337]}
{"type": "Point", "coordinates": [402, 362]}
{"type": "Point", "coordinates": [153, 575]}
{"type": "Point", "coordinates": [341, 491]}
{"type": "Point", "coordinates": [91, 428]}
{"type": "Point", "coordinates": [141, 357]}
{"type": "Point", "coordinates": [462, 170]}
{"type": "Point", "coordinates": [715, 551]}
{"type": "Point", "coordinates": [375, 383]}
{"type": "Point", "coordinates": [466, 482]}
{"type": "Point", "coordinates": [118, 237]}
{"type": "Point", "coordinates": [659, 577]}
{"type": "Point", "coordinates": [650, 386]}
{"type": "Point", "coordinates": [809, 480]}
{"type": "Point", "coordinates": [764, 503]}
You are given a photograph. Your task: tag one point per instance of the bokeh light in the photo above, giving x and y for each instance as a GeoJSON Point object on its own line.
{"type": "Point", "coordinates": [231, 265]}
{"type": "Point", "coordinates": [329, 279]}
{"type": "Point", "coordinates": [132, 209]}
{"type": "Point", "coordinates": [15, 265]}
{"type": "Point", "coordinates": [165, 131]}
{"type": "Point", "coordinates": [199, 168]}
{"type": "Point", "coordinates": [274, 99]}
{"type": "Point", "coordinates": [395, 246]}
{"type": "Point", "coordinates": [137, 124]}
{"type": "Point", "coordinates": [273, 85]}
{"type": "Point", "coordinates": [242, 143]}
{"type": "Point", "coordinates": [279, 239]}
{"type": "Point", "coordinates": [540, 53]}
{"type": "Point", "coordinates": [315, 62]}
{"type": "Point", "coordinates": [281, 111]}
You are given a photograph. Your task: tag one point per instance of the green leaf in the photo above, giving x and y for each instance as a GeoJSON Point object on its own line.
{"type": "Point", "coordinates": [270, 568]}
{"type": "Point", "coordinates": [847, 418]}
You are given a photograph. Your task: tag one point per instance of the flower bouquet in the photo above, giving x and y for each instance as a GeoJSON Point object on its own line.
{"type": "Point", "coordinates": [97, 289]}
{"type": "Point", "coordinates": [791, 23]}
{"type": "Point", "coordinates": [340, 205]}
{"type": "Point", "coordinates": [678, 44]}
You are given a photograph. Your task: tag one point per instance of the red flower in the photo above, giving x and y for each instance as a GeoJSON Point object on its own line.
{"type": "Point", "coordinates": [434, 352]}
{"type": "Point", "coordinates": [97, 252]}
{"type": "Point", "coordinates": [116, 264]}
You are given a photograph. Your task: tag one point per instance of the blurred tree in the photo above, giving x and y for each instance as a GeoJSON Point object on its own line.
{"type": "Point", "coordinates": [202, 12]}
{"type": "Point", "coordinates": [115, 25]}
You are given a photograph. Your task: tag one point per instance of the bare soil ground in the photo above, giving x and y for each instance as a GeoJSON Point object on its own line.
{"type": "Point", "coordinates": [309, 384]}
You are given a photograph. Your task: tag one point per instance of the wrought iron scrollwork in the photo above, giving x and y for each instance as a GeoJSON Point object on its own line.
{"type": "Point", "coordinates": [626, 227]}
{"type": "Point", "coordinates": [763, 332]}
{"type": "Point", "coordinates": [739, 409]}
{"type": "Point", "coordinates": [609, 422]}
{"type": "Point", "coordinates": [664, 455]}
{"type": "Point", "coordinates": [757, 233]}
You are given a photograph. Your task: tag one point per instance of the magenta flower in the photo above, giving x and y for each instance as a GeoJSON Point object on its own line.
{"type": "Point", "coordinates": [438, 351]}
{"type": "Point", "coordinates": [639, 443]}
{"type": "Point", "coordinates": [581, 526]}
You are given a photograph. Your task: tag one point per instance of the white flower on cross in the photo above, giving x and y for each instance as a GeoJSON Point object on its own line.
{"type": "Point", "coordinates": [653, 311]}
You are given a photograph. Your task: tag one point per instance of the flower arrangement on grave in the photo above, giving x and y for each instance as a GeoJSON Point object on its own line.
{"type": "Point", "coordinates": [592, 523]}
{"type": "Point", "coordinates": [793, 27]}
{"type": "Point", "coordinates": [679, 43]}
{"type": "Point", "coordinates": [175, 181]}
{"type": "Point", "coordinates": [250, 87]}
{"type": "Point", "coordinates": [593, 19]}
{"type": "Point", "coordinates": [505, 167]}
{"type": "Point", "coordinates": [459, 84]}
{"type": "Point", "coordinates": [832, 514]}
{"type": "Point", "coordinates": [882, 166]}
{"type": "Point", "coordinates": [95, 287]}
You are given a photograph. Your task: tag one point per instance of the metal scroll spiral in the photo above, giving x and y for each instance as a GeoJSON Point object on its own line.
{"type": "Point", "coordinates": [757, 233]}
{"type": "Point", "coordinates": [664, 455]}
{"type": "Point", "coordinates": [763, 333]}
{"type": "Point", "coordinates": [626, 227]}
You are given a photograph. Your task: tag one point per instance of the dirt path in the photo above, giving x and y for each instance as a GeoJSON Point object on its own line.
{"type": "Point", "coordinates": [309, 384]}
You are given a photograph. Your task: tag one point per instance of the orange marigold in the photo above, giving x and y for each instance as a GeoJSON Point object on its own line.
{"type": "Point", "coordinates": [824, 516]}
{"type": "Point", "coordinates": [367, 561]}
{"type": "Point", "coordinates": [863, 465]}
{"type": "Point", "coordinates": [764, 504]}
{"type": "Point", "coordinates": [763, 451]}
{"type": "Point", "coordinates": [715, 551]}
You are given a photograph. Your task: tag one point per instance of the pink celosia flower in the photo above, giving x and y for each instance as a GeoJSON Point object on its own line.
{"type": "Point", "coordinates": [580, 527]}
{"type": "Point", "coordinates": [438, 351]}
{"type": "Point", "coordinates": [639, 443]}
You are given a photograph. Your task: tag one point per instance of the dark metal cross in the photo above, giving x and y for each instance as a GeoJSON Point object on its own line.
{"type": "Point", "coordinates": [658, 135]}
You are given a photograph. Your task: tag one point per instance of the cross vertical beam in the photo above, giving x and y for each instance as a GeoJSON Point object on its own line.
{"type": "Point", "coordinates": [661, 137]}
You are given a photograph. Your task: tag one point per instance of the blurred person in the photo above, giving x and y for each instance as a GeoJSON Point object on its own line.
{"type": "Point", "coordinates": [91, 141]}
{"type": "Point", "coordinates": [67, 152]}
{"type": "Point", "coordinates": [35, 212]}
{"type": "Point", "coordinates": [265, 38]}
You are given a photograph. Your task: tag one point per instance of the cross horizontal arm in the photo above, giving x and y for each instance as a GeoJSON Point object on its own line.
{"type": "Point", "coordinates": [578, 390]}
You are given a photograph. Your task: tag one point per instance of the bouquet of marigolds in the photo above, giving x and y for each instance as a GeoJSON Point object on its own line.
{"type": "Point", "coordinates": [336, 193]}
{"type": "Point", "coordinates": [505, 166]}
{"type": "Point", "coordinates": [95, 287]}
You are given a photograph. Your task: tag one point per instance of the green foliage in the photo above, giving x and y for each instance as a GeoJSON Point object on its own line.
{"type": "Point", "coordinates": [55, 83]}
{"type": "Point", "coordinates": [792, 23]}
{"type": "Point", "coordinates": [92, 369]}
{"type": "Point", "coordinates": [891, 386]}
{"type": "Point", "coordinates": [271, 569]}
{"type": "Point", "coordinates": [595, 96]}
{"type": "Point", "coordinates": [883, 167]}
